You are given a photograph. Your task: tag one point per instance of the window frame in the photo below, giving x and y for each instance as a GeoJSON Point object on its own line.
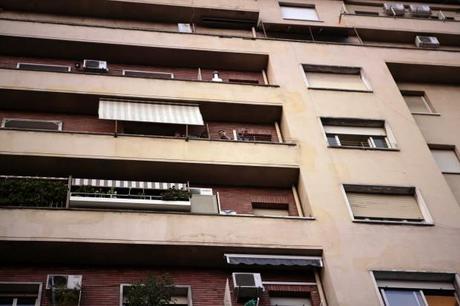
{"type": "Point", "coordinates": [59, 123]}
{"type": "Point", "coordinates": [39, 293]}
{"type": "Point", "coordinates": [389, 136]}
{"type": "Point", "coordinates": [426, 101]}
{"type": "Point", "coordinates": [188, 287]}
{"type": "Point", "coordinates": [452, 148]}
{"type": "Point", "coordinates": [340, 70]}
{"type": "Point", "coordinates": [408, 274]}
{"type": "Point", "coordinates": [299, 6]}
{"type": "Point", "coordinates": [18, 66]}
{"type": "Point", "coordinates": [172, 76]}
{"type": "Point", "coordinates": [427, 219]}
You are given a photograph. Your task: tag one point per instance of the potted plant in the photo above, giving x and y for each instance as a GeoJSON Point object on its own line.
{"type": "Point", "coordinates": [174, 194]}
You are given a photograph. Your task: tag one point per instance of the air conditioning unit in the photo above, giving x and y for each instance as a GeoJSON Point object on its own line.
{"type": "Point", "coordinates": [95, 65]}
{"type": "Point", "coordinates": [426, 42]}
{"type": "Point", "coordinates": [419, 10]}
{"type": "Point", "coordinates": [394, 9]}
{"type": "Point", "coordinates": [59, 281]}
{"type": "Point", "coordinates": [247, 285]}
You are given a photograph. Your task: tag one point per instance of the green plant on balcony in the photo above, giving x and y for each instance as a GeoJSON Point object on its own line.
{"type": "Point", "coordinates": [66, 297]}
{"type": "Point", "coordinates": [174, 194]}
{"type": "Point", "coordinates": [154, 291]}
{"type": "Point", "coordinates": [33, 192]}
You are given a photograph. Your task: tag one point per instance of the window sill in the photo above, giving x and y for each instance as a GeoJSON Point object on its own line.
{"type": "Point", "coordinates": [304, 20]}
{"type": "Point", "coordinates": [427, 114]}
{"type": "Point", "coordinates": [393, 222]}
{"type": "Point", "coordinates": [362, 148]}
{"type": "Point", "coordinates": [341, 89]}
{"type": "Point", "coordinates": [269, 217]}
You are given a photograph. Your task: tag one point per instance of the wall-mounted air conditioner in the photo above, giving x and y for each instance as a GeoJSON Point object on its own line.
{"type": "Point", "coordinates": [59, 281]}
{"type": "Point", "coordinates": [95, 65]}
{"type": "Point", "coordinates": [419, 10]}
{"type": "Point", "coordinates": [394, 9]}
{"type": "Point", "coordinates": [426, 42]}
{"type": "Point", "coordinates": [247, 285]}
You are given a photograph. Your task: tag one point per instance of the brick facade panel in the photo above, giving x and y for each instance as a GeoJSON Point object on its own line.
{"type": "Point", "coordinates": [101, 286]}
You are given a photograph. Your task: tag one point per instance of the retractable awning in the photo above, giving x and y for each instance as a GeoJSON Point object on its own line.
{"type": "Point", "coordinates": [274, 260]}
{"type": "Point", "coordinates": [125, 110]}
{"type": "Point", "coordinates": [127, 184]}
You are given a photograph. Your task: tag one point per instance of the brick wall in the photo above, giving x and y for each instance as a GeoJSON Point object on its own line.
{"type": "Point", "coordinates": [240, 199]}
{"type": "Point", "coordinates": [71, 122]}
{"type": "Point", "coordinates": [117, 68]}
{"type": "Point", "coordinates": [101, 286]}
{"type": "Point", "coordinates": [228, 127]}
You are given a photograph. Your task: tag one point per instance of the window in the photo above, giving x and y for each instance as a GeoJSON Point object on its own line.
{"type": "Point", "coordinates": [298, 12]}
{"type": "Point", "coordinates": [416, 288]}
{"type": "Point", "coordinates": [335, 78]}
{"type": "Point", "coordinates": [385, 203]}
{"type": "Point", "coordinates": [290, 301]}
{"type": "Point", "coordinates": [32, 124]}
{"type": "Point", "coordinates": [43, 67]}
{"type": "Point", "coordinates": [184, 27]}
{"type": "Point", "coordinates": [270, 209]}
{"type": "Point", "coordinates": [417, 102]}
{"type": "Point", "coordinates": [20, 294]}
{"type": "Point", "coordinates": [148, 74]}
{"type": "Point", "coordinates": [356, 133]}
{"type": "Point", "coordinates": [182, 295]}
{"type": "Point", "coordinates": [447, 159]}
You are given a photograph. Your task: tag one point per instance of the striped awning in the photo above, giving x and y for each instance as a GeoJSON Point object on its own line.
{"type": "Point", "coordinates": [150, 112]}
{"type": "Point", "coordinates": [127, 184]}
{"type": "Point", "coordinates": [274, 260]}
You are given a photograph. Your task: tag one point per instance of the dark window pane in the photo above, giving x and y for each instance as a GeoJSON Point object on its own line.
{"type": "Point", "coordinates": [354, 141]}
{"type": "Point", "coordinates": [331, 140]}
{"type": "Point", "coordinates": [403, 298]}
{"type": "Point", "coordinates": [26, 301]}
{"type": "Point", "coordinates": [380, 142]}
{"type": "Point", "coordinates": [6, 301]}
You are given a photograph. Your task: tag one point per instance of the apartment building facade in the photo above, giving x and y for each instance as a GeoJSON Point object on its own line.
{"type": "Point", "coordinates": [259, 152]}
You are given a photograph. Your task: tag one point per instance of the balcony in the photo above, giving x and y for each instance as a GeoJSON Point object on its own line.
{"type": "Point", "coordinates": [56, 192]}
{"type": "Point", "coordinates": [163, 11]}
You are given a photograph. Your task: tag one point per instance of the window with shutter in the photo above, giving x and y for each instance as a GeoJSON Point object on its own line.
{"type": "Point", "coordinates": [298, 12]}
{"type": "Point", "coordinates": [356, 133]}
{"type": "Point", "coordinates": [384, 203]}
{"type": "Point", "coordinates": [333, 77]}
{"type": "Point", "coordinates": [417, 102]}
{"type": "Point", "coordinates": [447, 160]}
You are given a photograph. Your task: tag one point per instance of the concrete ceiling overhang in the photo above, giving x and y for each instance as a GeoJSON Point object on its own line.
{"type": "Point", "coordinates": [68, 103]}
{"type": "Point", "coordinates": [206, 174]}
{"type": "Point", "coordinates": [79, 253]}
{"type": "Point", "coordinates": [123, 54]}
{"type": "Point", "coordinates": [161, 11]}
{"type": "Point", "coordinates": [423, 73]}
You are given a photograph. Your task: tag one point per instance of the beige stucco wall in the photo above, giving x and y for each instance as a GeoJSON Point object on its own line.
{"type": "Point", "coordinates": [350, 249]}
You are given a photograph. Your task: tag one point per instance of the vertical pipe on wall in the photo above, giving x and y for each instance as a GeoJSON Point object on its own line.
{"type": "Point", "coordinates": [320, 289]}
{"type": "Point", "coordinates": [264, 75]}
{"type": "Point", "coordinates": [297, 201]}
{"type": "Point", "coordinates": [278, 132]}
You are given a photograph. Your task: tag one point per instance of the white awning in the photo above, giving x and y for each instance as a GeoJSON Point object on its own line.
{"type": "Point", "coordinates": [148, 112]}
{"type": "Point", "coordinates": [127, 184]}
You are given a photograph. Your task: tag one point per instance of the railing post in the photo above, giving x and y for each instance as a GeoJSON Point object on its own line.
{"type": "Point", "coordinates": [69, 187]}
